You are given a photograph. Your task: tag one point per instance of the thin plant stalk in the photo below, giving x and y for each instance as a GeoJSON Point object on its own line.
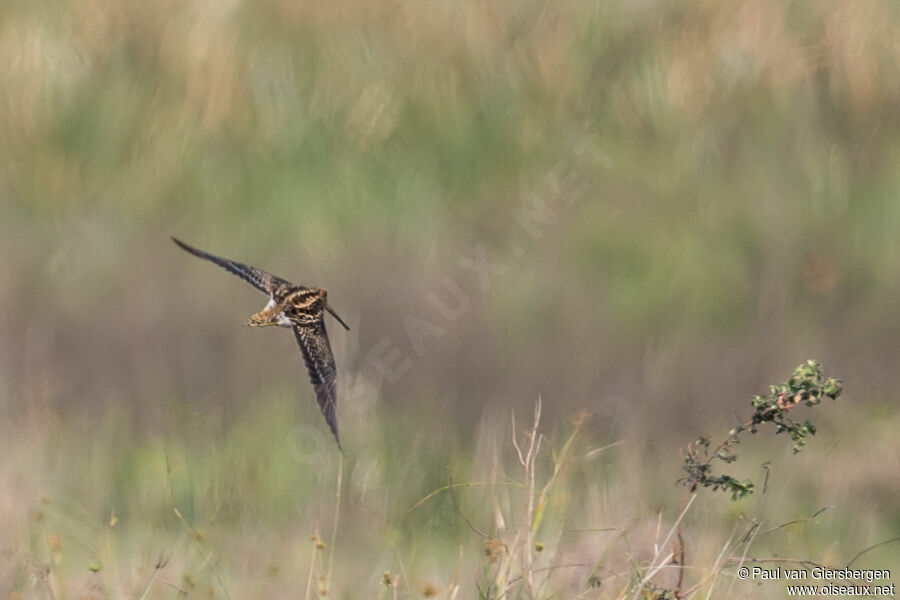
{"type": "Point", "coordinates": [337, 515]}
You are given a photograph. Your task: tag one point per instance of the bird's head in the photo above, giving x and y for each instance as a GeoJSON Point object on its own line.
{"type": "Point", "coordinates": [323, 294]}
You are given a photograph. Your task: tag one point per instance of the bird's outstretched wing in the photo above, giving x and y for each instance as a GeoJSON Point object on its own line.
{"type": "Point", "coordinates": [261, 280]}
{"type": "Point", "coordinates": [313, 341]}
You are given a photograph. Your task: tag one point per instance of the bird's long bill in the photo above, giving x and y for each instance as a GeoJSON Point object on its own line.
{"type": "Point", "coordinates": [335, 315]}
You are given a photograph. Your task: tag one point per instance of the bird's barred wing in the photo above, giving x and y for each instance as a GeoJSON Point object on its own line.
{"type": "Point", "coordinates": [261, 280]}
{"type": "Point", "coordinates": [313, 341]}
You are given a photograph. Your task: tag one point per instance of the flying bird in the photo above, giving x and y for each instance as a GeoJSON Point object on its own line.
{"type": "Point", "coordinates": [303, 310]}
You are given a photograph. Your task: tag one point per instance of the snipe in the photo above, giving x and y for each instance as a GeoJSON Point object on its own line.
{"type": "Point", "coordinates": [303, 310]}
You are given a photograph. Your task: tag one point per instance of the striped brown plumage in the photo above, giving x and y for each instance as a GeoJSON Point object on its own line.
{"type": "Point", "coordinates": [303, 310]}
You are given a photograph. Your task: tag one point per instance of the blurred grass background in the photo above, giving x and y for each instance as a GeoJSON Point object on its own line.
{"type": "Point", "coordinates": [685, 199]}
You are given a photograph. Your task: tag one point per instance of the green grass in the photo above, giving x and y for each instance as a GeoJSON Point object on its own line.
{"type": "Point", "coordinates": [231, 512]}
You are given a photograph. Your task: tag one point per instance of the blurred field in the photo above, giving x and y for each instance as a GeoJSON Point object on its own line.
{"type": "Point", "coordinates": [642, 211]}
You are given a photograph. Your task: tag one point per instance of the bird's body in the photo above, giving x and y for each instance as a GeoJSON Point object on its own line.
{"type": "Point", "coordinates": [303, 310]}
